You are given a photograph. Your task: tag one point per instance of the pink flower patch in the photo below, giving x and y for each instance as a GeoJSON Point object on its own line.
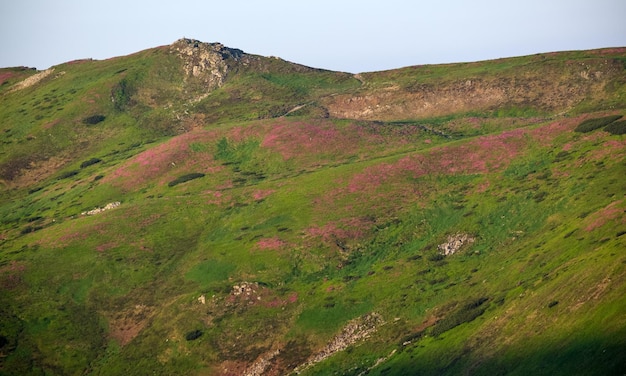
{"type": "Point", "coordinates": [346, 229]}
{"type": "Point", "coordinates": [71, 237]}
{"type": "Point", "coordinates": [5, 76]}
{"type": "Point", "coordinates": [546, 134]}
{"type": "Point", "coordinates": [616, 149]}
{"type": "Point", "coordinates": [482, 188]}
{"type": "Point", "coordinates": [296, 139]}
{"type": "Point", "coordinates": [608, 213]}
{"type": "Point", "coordinates": [261, 194]}
{"type": "Point", "coordinates": [13, 266]}
{"type": "Point", "coordinates": [217, 198]}
{"type": "Point", "coordinates": [293, 298]}
{"type": "Point", "coordinates": [105, 247]}
{"type": "Point", "coordinates": [11, 275]}
{"type": "Point", "coordinates": [273, 244]}
{"type": "Point", "coordinates": [377, 183]}
{"type": "Point", "coordinates": [51, 124]}
{"type": "Point", "coordinates": [173, 154]}
{"type": "Point", "coordinates": [278, 302]}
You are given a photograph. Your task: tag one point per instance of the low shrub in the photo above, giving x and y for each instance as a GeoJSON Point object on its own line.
{"type": "Point", "coordinates": [540, 196]}
{"type": "Point", "coordinates": [29, 229]}
{"type": "Point", "coordinates": [616, 128]}
{"type": "Point", "coordinates": [185, 178]}
{"type": "Point", "coordinates": [562, 156]}
{"type": "Point", "coordinates": [593, 124]}
{"type": "Point", "coordinates": [466, 313]}
{"type": "Point", "coordinates": [90, 162]}
{"type": "Point", "coordinates": [436, 257]}
{"type": "Point", "coordinates": [68, 174]}
{"type": "Point", "coordinates": [34, 190]}
{"type": "Point", "coordinates": [193, 335]}
{"type": "Point", "coordinates": [94, 119]}
{"type": "Point", "coordinates": [121, 94]}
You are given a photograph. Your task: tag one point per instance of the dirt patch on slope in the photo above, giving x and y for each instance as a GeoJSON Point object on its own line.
{"type": "Point", "coordinates": [26, 172]}
{"type": "Point", "coordinates": [126, 325]}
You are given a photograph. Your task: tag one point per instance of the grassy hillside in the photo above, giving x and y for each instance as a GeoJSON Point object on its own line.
{"type": "Point", "coordinates": [212, 212]}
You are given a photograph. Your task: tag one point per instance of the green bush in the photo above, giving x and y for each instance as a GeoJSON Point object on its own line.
{"type": "Point", "coordinates": [68, 174]}
{"type": "Point", "coordinates": [466, 313]}
{"type": "Point", "coordinates": [121, 94]}
{"type": "Point", "coordinates": [90, 162]}
{"type": "Point", "coordinates": [193, 335]}
{"type": "Point", "coordinates": [29, 229]}
{"type": "Point", "coordinates": [616, 128]}
{"type": "Point", "coordinates": [94, 119]}
{"type": "Point", "coordinates": [436, 257]}
{"type": "Point", "coordinates": [185, 178]}
{"type": "Point", "coordinates": [593, 124]}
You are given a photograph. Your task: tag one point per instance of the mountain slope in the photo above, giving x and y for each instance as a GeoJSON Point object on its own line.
{"type": "Point", "coordinates": [539, 84]}
{"type": "Point", "coordinates": [193, 209]}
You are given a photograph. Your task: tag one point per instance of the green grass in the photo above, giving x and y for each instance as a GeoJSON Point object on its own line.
{"type": "Point", "coordinates": [329, 220]}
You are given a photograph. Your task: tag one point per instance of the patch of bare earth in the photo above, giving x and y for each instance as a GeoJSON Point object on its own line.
{"type": "Point", "coordinates": [126, 325]}
{"type": "Point", "coordinates": [596, 291]}
{"type": "Point", "coordinates": [36, 171]}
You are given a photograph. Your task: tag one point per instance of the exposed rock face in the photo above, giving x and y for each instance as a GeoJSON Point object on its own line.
{"type": "Point", "coordinates": [30, 81]}
{"type": "Point", "coordinates": [543, 86]}
{"type": "Point", "coordinates": [109, 206]}
{"type": "Point", "coordinates": [454, 244]}
{"type": "Point", "coordinates": [261, 364]}
{"type": "Point", "coordinates": [208, 62]}
{"type": "Point", "coordinates": [356, 330]}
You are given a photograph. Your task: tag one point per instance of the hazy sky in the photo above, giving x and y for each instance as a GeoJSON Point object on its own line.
{"type": "Point", "coordinates": [346, 35]}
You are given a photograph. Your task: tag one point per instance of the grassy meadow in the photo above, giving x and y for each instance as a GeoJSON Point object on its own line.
{"type": "Point", "coordinates": [253, 239]}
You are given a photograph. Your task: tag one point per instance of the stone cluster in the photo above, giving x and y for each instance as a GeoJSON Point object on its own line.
{"type": "Point", "coordinates": [356, 330]}
{"type": "Point", "coordinates": [454, 243]}
{"type": "Point", "coordinates": [248, 291]}
{"type": "Point", "coordinates": [207, 62]}
{"type": "Point", "coordinates": [109, 206]}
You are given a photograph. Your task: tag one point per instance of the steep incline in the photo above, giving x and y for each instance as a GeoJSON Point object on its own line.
{"type": "Point", "coordinates": [193, 209]}
{"type": "Point", "coordinates": [543, 84]}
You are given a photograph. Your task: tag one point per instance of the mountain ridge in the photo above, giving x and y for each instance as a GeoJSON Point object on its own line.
{"type": "Point", "coordinates": [193, 209]}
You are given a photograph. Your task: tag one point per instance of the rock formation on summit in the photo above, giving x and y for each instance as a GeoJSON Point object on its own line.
{"type": "Point", "coordinates": [208, 62]}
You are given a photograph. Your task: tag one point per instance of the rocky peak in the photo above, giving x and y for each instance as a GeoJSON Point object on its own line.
{"type": "Point", "coordinates": [208, 62]}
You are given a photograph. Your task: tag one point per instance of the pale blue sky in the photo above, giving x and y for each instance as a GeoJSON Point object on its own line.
{"type": "Point", "coordinates": [345, 35]}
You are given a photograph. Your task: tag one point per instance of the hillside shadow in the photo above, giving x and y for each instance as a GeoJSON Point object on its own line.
{"type": "Point", "coordinates": [592, 356]}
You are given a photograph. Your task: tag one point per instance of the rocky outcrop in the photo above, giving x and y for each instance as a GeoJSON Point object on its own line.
{"type": "Point", "coordinates": [30, 81]}
{"type": "Point", "coordinates": [356, 330]}
{"type": "Point", "coordinates": [454, 244]}
{"type": "Point", "coordinates": [259, 367]}
{"type": "Point", "coordinates": [540, 84]}
{"type": "Point", "coordinates": [109, 206]}
{"type": "Point", "coordinates": [207, 62]}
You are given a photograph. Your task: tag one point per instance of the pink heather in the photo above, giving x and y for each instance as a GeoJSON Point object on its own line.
{"type": "Point", "coordinates": [261, 194]}
{"type": "Point", "coordinates": [273, 244]}
{"type": "Point", "coordinates": [608, 213]}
